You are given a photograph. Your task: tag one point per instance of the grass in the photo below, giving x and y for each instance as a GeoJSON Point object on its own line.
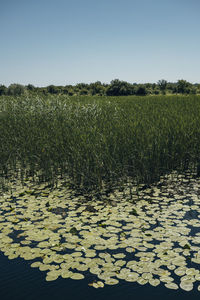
{"type": "Point", "coordinates": [98, 142]}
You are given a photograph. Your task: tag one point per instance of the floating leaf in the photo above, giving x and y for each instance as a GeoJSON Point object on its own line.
{"type": "Point", "coordinates": [76, 276]}
{"type": "Point", "coordinates": [171, 285]}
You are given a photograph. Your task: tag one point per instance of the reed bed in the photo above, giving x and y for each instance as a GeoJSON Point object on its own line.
{"type": "Point", "coordinates": [98, 142]}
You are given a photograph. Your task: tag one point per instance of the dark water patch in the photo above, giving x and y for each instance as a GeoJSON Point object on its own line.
{"type": "Point", "coordinates": [19, 282]}
{"type": "Point", "coordinates": [191, 214]}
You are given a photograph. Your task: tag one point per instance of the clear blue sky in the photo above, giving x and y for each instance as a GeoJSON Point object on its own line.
{"type": "Point", "coordinates": [69, 41]}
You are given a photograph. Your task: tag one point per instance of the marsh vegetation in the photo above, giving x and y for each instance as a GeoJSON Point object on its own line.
{"type": "Point", "coordinates": [98, 142]}
{"type": "Point", "coordinates": [103, 187]}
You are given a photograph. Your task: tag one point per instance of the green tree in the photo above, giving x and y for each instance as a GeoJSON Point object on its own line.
{"type": "Point", "coordinates": [156, 91]}
{"type": "Point", "coordinates": [15, 89]}
{"type": "Point", "coordinates": [3, 90]}
{"type": "Point", "coordinates": [83, 91]}
{"type": "Point", "coordinates": [52, 89]}
{"type": "Point", "coordinates": [119, 88]}
{"type": "Point", "coordinates": [141, 90]}
{"type": "Point", "coordinates": [30, 87]}
{"type": "Point", "coordinates": [70, 91]}
{"type": "Point", "coordinates": [97, 88]}
{"type": "Point", "coordinates": [162, 84]}
{"type": "Point", "coordinates": [183, 86]}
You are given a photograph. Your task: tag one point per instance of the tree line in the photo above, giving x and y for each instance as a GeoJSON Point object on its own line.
{"type": "Point", "coordinates": [115, 88]}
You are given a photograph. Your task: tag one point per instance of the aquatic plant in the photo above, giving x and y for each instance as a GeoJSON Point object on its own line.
{"type": "Point", "coordinates": [98, 142]}
{"type": "Point", "coordinates": [159, 245]}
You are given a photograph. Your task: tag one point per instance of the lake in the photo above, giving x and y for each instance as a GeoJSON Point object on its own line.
{"type": "Point", "coordinates": [18, 281]}
{"type": "Point", "coordinates": [48, 237]}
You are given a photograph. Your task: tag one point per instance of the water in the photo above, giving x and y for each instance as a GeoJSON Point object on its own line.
{"type": "Point", "coordinates": [20, 282]}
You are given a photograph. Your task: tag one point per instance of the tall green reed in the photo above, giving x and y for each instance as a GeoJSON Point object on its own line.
{"type": "Point", "coordinates": [98, 142]}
